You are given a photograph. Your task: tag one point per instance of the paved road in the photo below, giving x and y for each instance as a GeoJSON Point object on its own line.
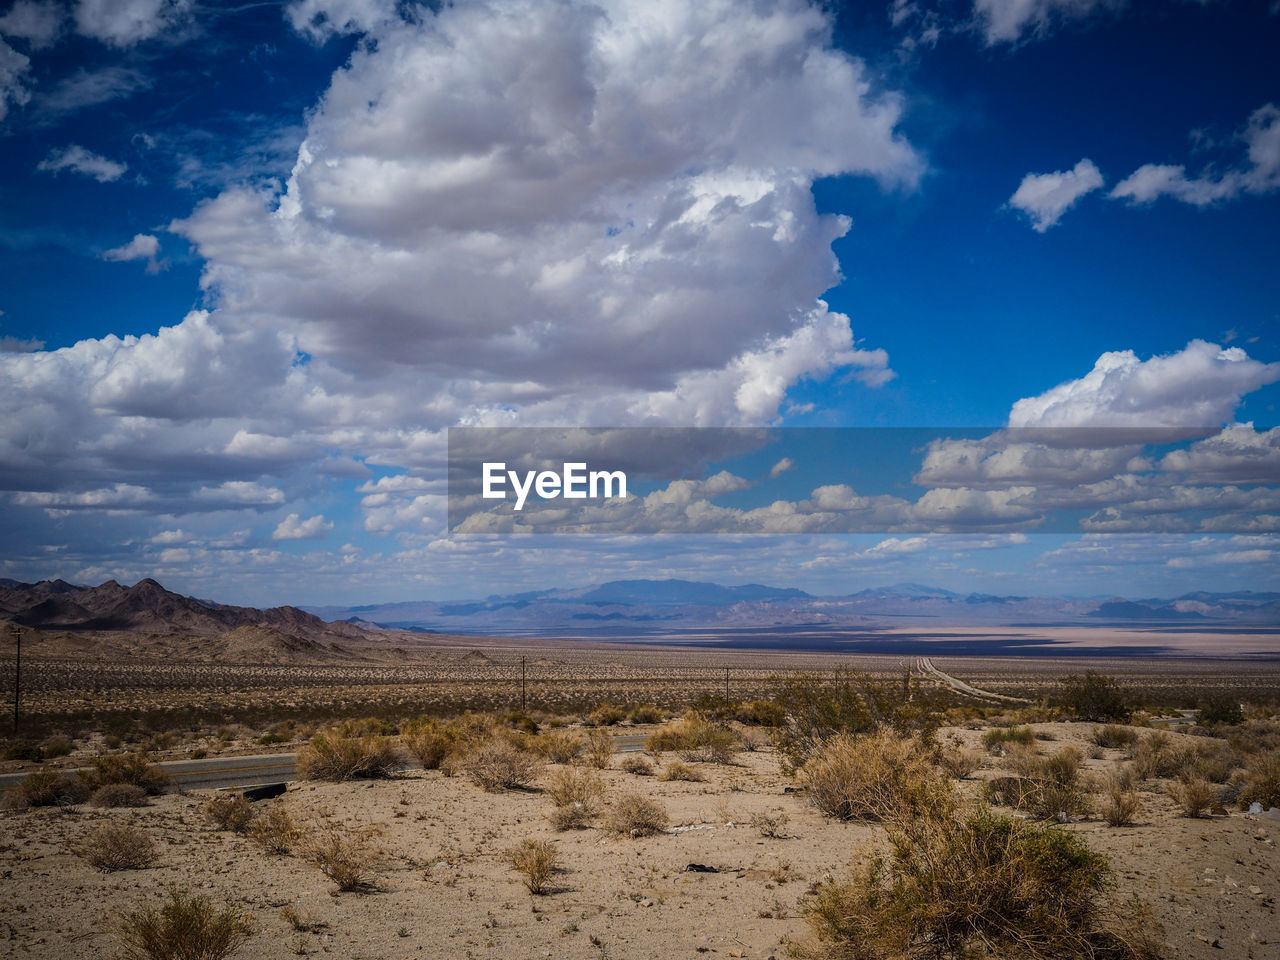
{"type": "Point", "coordinates": [216, 773]}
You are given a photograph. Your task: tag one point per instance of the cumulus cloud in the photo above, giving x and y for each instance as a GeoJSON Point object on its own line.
{"type": "Point", "coordinates": [1009, 21]}
{"type": "Point", "coordinates": [39, 23]}
{"type": "Point", "coordinates": [1199, 386]}
{"type": "Point", "coordinates": [123, 23]}
{"type": "Point", "coordinates": [291, 528]}
{"type": "Point", "coordinates": [781, 467]}
{"type": "Point", "coordinates": [14, 91]}
{"type": "Point", "coordinates": [143, 246]}
{"type": "Point", "coordinates": [321, 19]}
{"type": "Point", "coordinates": [1045, 197]}
{"type": "Point", "coordinates": [85, 162]}
{"type": "Point", "coordinates": [1258, 172]}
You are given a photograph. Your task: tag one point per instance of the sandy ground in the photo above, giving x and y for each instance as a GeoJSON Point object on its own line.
{"type": "Point", "coordinates": [445, 889]}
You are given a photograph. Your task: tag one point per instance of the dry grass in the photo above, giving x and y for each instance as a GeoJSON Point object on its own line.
{"type": "Point", "coordinates": [772, 826]}
{"type": "Point", "coordinates": [696, 736]}
{"type": "Point", "coordinates": [635, 815]}
{"type": "Point", "coordinates": [500, 765]}
{"type": "Point", "coordinates": [428, 742]}
{"type": "Point", "coordinates": [1046, 787]}
{"type": "Point", "coordinates": [1193, 795]}
{"type": "Point", "coordinates": [275, 831]}
{"type": "Point", "coordinates": [120, 846]}
{"type": "Point", "coordinates": [637, 766]}
{"type": "Point", "coordinates": [677, 770]}
{"type": "Point", "coordinates": [133, 768]}
{"type": "Point", "coordinates": [340, 758]}
{"type": "Point", "coordinates": [1120, 802]}
{"type": "Point", "coordinates": [959, 761]}
{"type": "Point", "coordinates": [576, 795]}
{"type": "Point", "coordinates": [230, 812]}
{"type": "Point", "coordinates": [1000, 737]}
{"type": "Point", "coordinates": [185, 928]}
{"type": "Point", "coordinates": [873, 777]}
{"type": "Point", "coordinates": [1113, 735]}
{"type": "Point", "coordinates": [560, 746]}
{"type": "Point", "coordinates": [600, 749]}
{"type": "Point", "coordinates": [347, 858]}
{"type": "Point", "coordinates": [537, 861]}
{"type": "Point", "coordinates": [1262, 781]}
{"type": "Point", "coordinates": [46, 788]}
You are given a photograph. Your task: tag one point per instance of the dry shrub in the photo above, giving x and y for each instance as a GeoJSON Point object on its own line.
{"type": "Point", "coordinates": [185, 928]}
{"type": "Point", "coordinates": [339, 758]}
{"type": "Point", "coordinates": [874, 776]}
{"type": "Point", "coordinates": [959, 761]}
{"type": "Point", "coordinates": [1192, 795]}
{"type": "Point", "coordinates": [771, 825]}
{"type": "Point", "coordinates": [428, 742]}
{"type": "Point", "coordinates": [120, 846]}
{"type": "Point", "coordinates": [954, 885]}
{"type": "Point", "coordinates": [1046, 787]}
{"type": "Point", "coordinates": [560, 746]}
{"type": "Point", "coordinates": [1120, 801]}
{"type": "Point", "coordinates": [1262, 781]}
{"type": "Point", "coordinates": [697, 736]}
{"type": "Point", "coordinates": [345, 857]}
{"type": "Point", "coordinates": [230, 812]}
{"type": "Point", "coordinates": [1113, 735]}
{"type": "Point", "coordinates": [646, 713]}
{"type": "Point", "coordinates": [635, 815]}
{"type": "Point", "coordinates": [600, 749]}
{"type": "Point", "coordinates": [576, 794]}
{"type": "Point", "coordinates": [761, 713]}
{"type": "Point", "coordinates": [537, 861]}
{"type": "Point", "coordinates": [119, 795]}
{"type": "Point", "coordinates": [1004, 736]}
{"type": "Point", "coordinates": [637, 765]}
{"type": "Point", "coordinates": [134, 768]}
{"type": "Point", "coordinates": [275, 831]}
{"type": "Point", "coordinates": [1157, 756]}
{"type": "Point", "coordinates": [55, 746]}
{"type": "Point", "coordinates": [606, 715]}
{"type": "Point", "coordinates": [676, 770]}
{"type": "Point", "coordinates": [1215, 761]}
{"type": "Point", "coordinates": [46, 788]}
{"type": "Point", "coordinates": [500, 765]}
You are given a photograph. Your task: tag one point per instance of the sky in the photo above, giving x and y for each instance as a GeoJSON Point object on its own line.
{"type": "Point", "coordinates": [257, 258]}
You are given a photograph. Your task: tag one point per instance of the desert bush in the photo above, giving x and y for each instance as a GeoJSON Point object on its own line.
{"type": "Point", "coordinates": [600, 749]}
{"type": "Point", "coordinates": [347, 858]}
{"type": "Point", "coordinates": [522, 722]}
{"type": "Point", "coordinates": [820, 707]}
{"type": "Point", "coordinates": [677, 770]}
{"type": "Point", "coordinates": [275, 831]}
{"type": "Point", "coordinates": [873, 777]}
{"type": "Point", "coordinates": [694, 732]}
{"type": "Point", "coordinates": [645, 713]}
{"type": "Point", "coordinates": [1046, 787]}
{"type": "Point", "coordinates": [1215, 761]}
{"type": "Point", "coordinates": [1120, 801]}
{"type": "Point", "coordinates": [230, 811]}
{"type": "Point", "coordinates": [771, 825]}
{"type": "Point", "coordinates": [46, 788]}
{"type": "Point", "coordinates": [761, 713]}
{"type": "Point", "coordinates": [954, 885]}
{"type": "Point", "coordinates": [537, 861]}
{"type": "Point", "coordinates": [1192, 795]}
{"type": "Point", "coordinates": [1005, 736]}
{"type": "Point", "coordinates": [134, 768]}
{"type": "Point", "coordinates": [333, 756]}
{"type": "Point", "coordinates": [606, 715]}
{"type": "Point", "coordinates": [499, 765]}
{"type": "Point", "coordinates": [120, 846]}
{"type": "Point", "coordinates": [429, 744]}
{"type": "Point", "coordinates": [1094, 697]}
{"type": "Point", "coordinates": [637, 766]}
{"type": "Point", "coordinates": [635, 815]}
{"type": "Point", "coordinates": [959, 761]}
{"type": "Point", "coordinates": [365, 727]}
{"type": "Point", "coordinates": [1220, 709]}
{"type": "Point", "coordinates": [56, 746]}
{"type": "Point", "coordinates": [1114, 735]}
{"type": "Point", "coordinates": [119, 795]}
{"type": "Point", "coordinates": [185, 928]}
{"type": "Point", "coordinates": [576, 795]}
{"type": "Point", "coordinates": [1262, 781]}
{"type": "Point", "coordinates": [1154, 755]}
{"type": "Point", "coordinates": [1254, 736]}
{"type": "Point", "coordinates": [560, 746]}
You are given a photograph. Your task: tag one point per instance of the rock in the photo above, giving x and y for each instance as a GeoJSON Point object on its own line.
{"type": "Point", "coordinates": [699, 868]}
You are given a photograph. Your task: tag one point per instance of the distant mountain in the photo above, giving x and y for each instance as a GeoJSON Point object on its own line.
{"type": "Point", "coordinates": [148, 607]}
{"type": "Point", "coordinates": [674, 592]}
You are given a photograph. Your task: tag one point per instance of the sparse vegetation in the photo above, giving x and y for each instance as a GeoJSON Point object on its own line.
{"type": "Point", "coordinates": [1192, 795]}
{"type": "Point", "coordinates": [537, 861]}
{"type": "Point", "coordinates": [120, 846]}
{"type": "Point", "coordinates": [678, 770]}
{"type": "Point", "coordinates": [1113, 735]}
{"type": "Point", "coordinates": [636, 765]}
{"type": "Point", "coordinates": [230, 811]}
{"type": "Point", "coordinates": [119, 795]}
{"type": "Point", "coordinates": [1093, 696]}
{"type": "Point", "coordinates": [560, 746]}
{"type": "Point", "coordinates": [1046, 787]}
{"type": "Point", "coordinates": [576, 795]}
{"type": "Point", "coordinates": [1220, 710]}
{"type": "Point", "coordinates": [959, 761]}
{"type": "Point", "coordinates": [186, 928]}
{"type": "Point", "coordinates": [336, 757]}
{"type": "Point", "coordinates": [635, 815]}
{"type": "Point", "coordinates": [46, 788]}
{"type": "Point", "coordinates": [275, 831]}
{"type": "Point", "coordinates": [1262, 781]}
{"type": "Point", "coordinates": [646, 713]}
{"type": "Point", "coordinates": [600, 749]}
{"type": "Point", "coordinates": [1120, 801]}
{"type": "Point", "coordinates": [500, 765]}
{"type": "Point", "coordinates": [345, 857]}
{"type": "Point", "coordinates": [133, 768]}
{"type": "Point", "coordinates": [695, 735]}
{"type": "Point", "coordinates": [1006, 736]}
{"type": "Point", "coordinates": [771, 825]}
{"type": "Point", "coordinates": [873, 777]}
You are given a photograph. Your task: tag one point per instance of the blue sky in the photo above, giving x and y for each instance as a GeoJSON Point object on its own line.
{"type": "Point", "coordinates": [256, 259]}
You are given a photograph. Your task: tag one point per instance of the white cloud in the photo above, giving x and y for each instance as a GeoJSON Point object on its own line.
{"type": "Point", "coordinates": [143, 246]}
{"type": "Point", "coordinates": [37, 23]}
{"type": "Point", "coordinates": [79, 160]}
{"type": "Point", "coordinates": [1008, 21]}
{"type": "Point", "coordinates": [1199, 386]}
{"type": "Point", "coordinates": [18, 345]}
{"type": "Point", "coordinates": [322, 19]}
{"type": "Point", "coordinates": [88, 88]}
{"type": "Point", "coordinates": [1239, 454]}
{"type": "Point", "coordinates": [781, 467]}
{"type": "Point", "coordinates": [13, 79]}
{"type": "Point", "coordinates": [1045, 197]}
{"type": "Point", "coordinates": [123, 23]}
{"type": "Point", "coordinates": [1257, 173]}
{"type": "Point", "coordinates": [313, 528]}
